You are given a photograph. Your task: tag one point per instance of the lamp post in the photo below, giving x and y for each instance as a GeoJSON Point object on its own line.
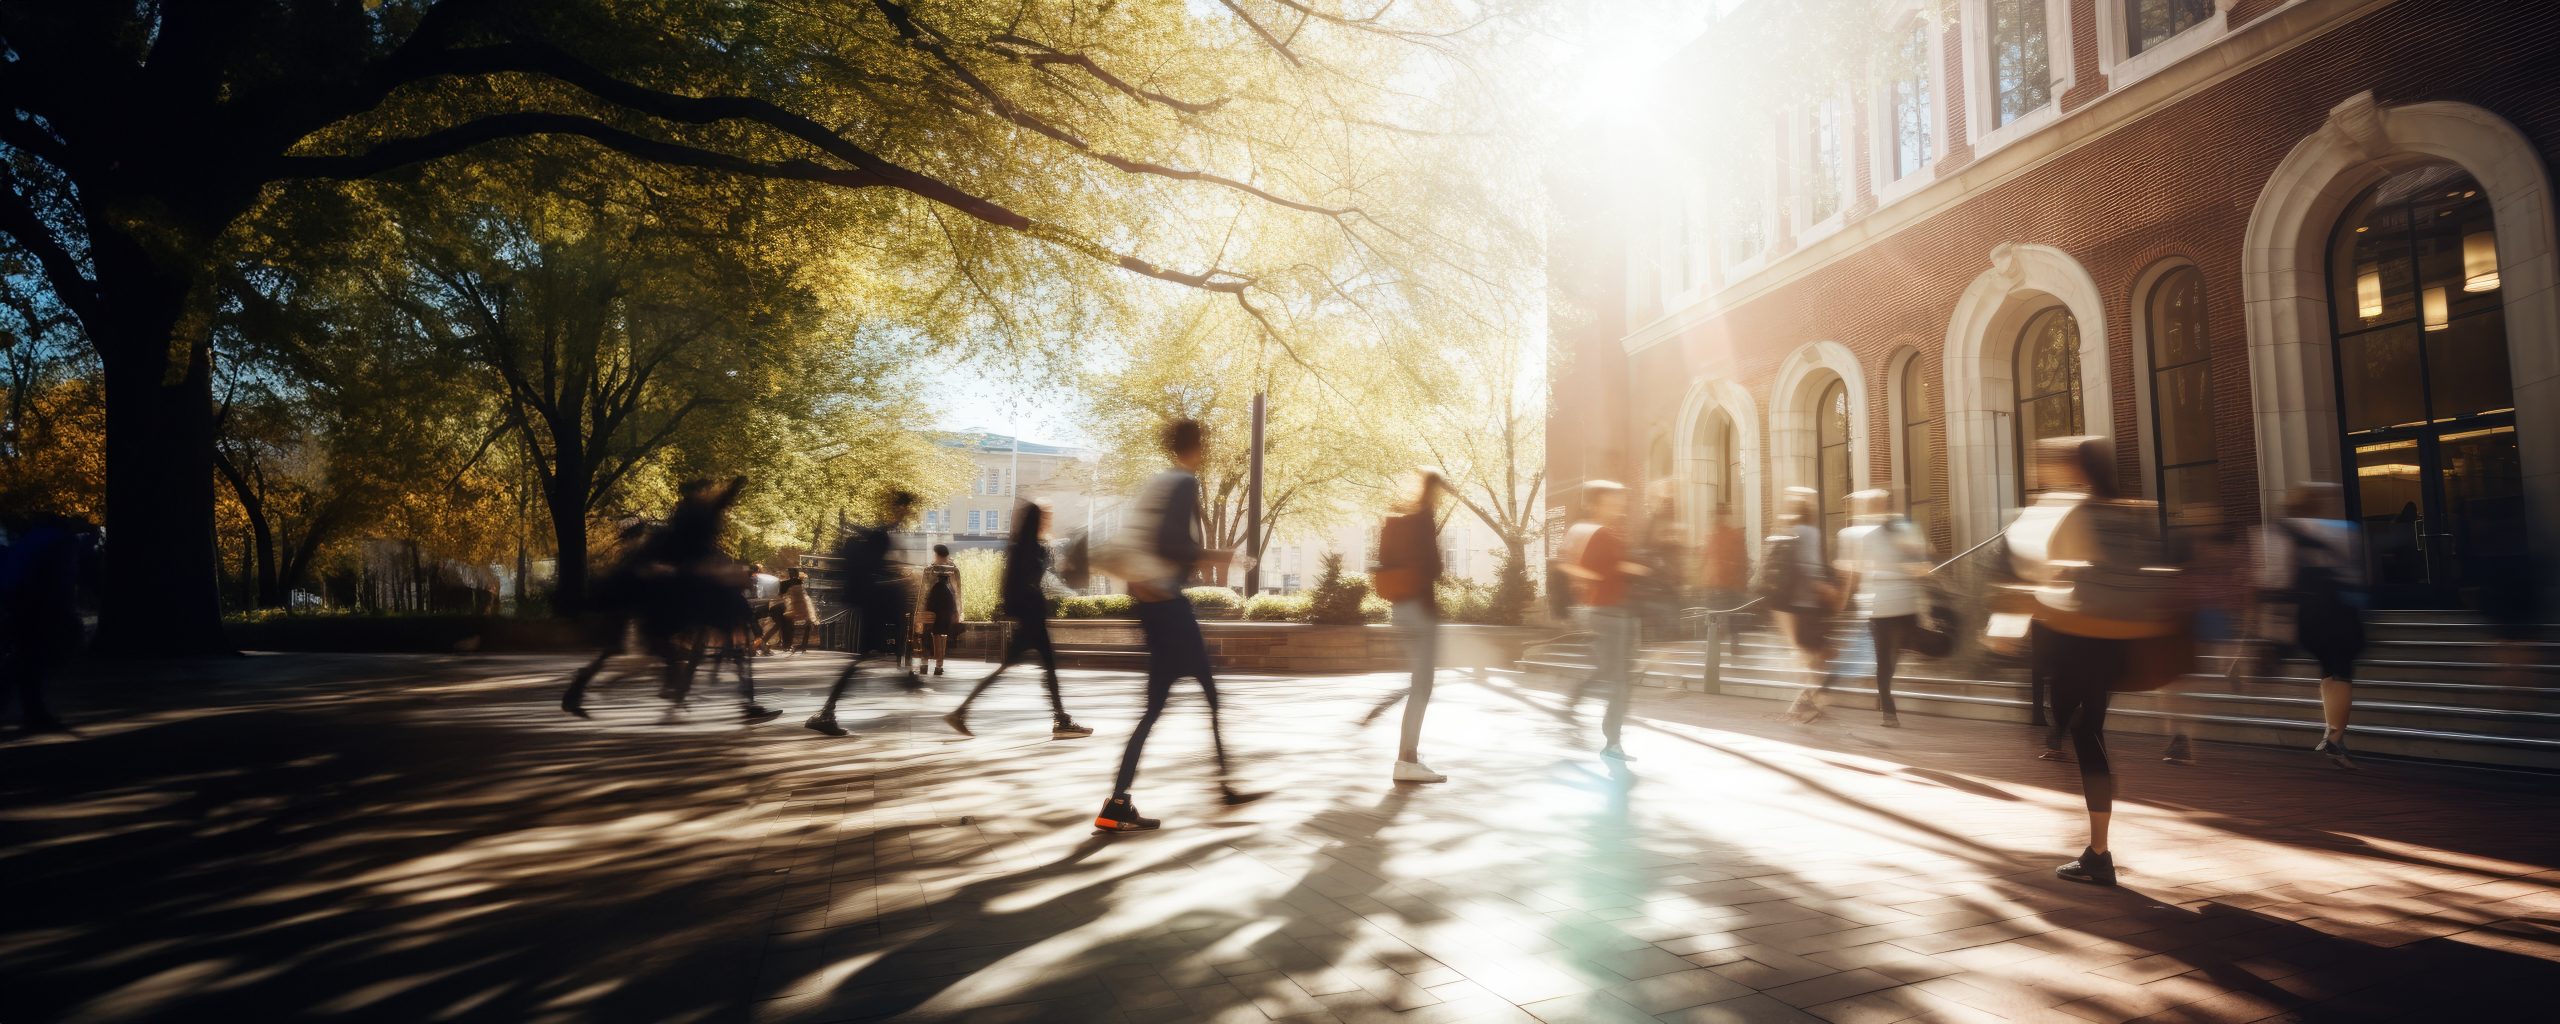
{"type": "Point", "coordinates": [1253, 505]}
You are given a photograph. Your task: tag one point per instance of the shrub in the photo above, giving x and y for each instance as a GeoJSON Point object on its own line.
{"type": "Point", "coordinates": [1335, 599]}
{"type": "Point", "coordinates": [1464, 601]}
{"type": "Point", "coordinates": [981, 575]}
{"type": "Point", "coordinates": [1104, 606]}
{"type": "Point", "coordinates": [1375, 609]}
{"type": "Point", "coordinates": [1219, 598]}
{"type": "Point", "coordinates": [1513, 593]}
{"type": "Point", "coordinates": [1276, 608]}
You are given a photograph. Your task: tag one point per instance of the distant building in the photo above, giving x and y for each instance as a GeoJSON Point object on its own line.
{"type": "Point", "coordinates": [1008, 470]}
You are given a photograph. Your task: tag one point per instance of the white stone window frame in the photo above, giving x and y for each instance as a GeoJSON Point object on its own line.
{"type": "Point", "coordinates": [1708, 395]}
{"type": "Point", "coordinates": [1801, 144]}
{"type": "Point", "coordinates": [1982, 93]}
{"type": "Point", "coordinates": [2124, 67]}
{"type": "Point", "coordinates": [1884, 127]}
{"type": "Point", "coordinates": [1795, 446]}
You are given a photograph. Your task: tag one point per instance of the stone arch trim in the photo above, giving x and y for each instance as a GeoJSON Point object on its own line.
{"type": "Point", "coordinates": [1707, 397]}
{"type": "Point", "coordinates": [1793, 446]}
{"type": "Point", "coordinates": [2284, 281]}
{"type": "Point", "coordinates": [1982, 339]}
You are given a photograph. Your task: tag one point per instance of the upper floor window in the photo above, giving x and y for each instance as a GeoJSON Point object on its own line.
{"type": "Point", "coordinates": [1822, 172]}
{"type": "Point", "coordinates": [2149, 23]}
{"type": "Point", "coordinates": [2021, 60]}
{"type": "Point", "coordinates": [1911, 102]}
{"type": "Point", "coordinates": [1746, 228]}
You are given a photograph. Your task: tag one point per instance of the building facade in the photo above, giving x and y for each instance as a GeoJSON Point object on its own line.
{"type": "Point", "coordinates": [2258, 243]}
{"type": "Point", "coordinates": [1005, 471]}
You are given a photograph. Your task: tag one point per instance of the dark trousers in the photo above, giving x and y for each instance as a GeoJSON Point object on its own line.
{"type": "Point", "coordinates": [888, 637]}
{"type": "Point", "coordinates": [1030, 636]}
{"type": "Point", "coordinates": [1888, 634]}
{"type": "Point", "coordinates": [1175, 649]}
{"type": "Point", "coordinates": [2082, 672]}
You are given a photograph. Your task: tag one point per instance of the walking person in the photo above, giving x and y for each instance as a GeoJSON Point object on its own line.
{"type": "Point", "coordinates": [938, 607]}
{"type": "Point", "coordinates": [1798, 584]}
{"type": "Point", "coordinates": [2315, 560]}
{"type": "Point", "coordinates": [877, 586]}
{"type": "Point", "coordinates": [2215, 564]}
{"type": "Point", "coordinates": [799, 614]}
{"type": "Point", "coordinates": [1598, 560]}
{"type": "Point", "coordinates": [1408, 578]}
{"type": "Point", "coordinates": [1885, 559]}
{"type": "Point", "coordinates": [1175, 648]}
{"type": "Point", "coordinates": [2089, 559]}
{"type": "Point", "coordinates": [1725, 569]}
{"type": "Point", "coordinates": [1024, 598]}
{"type": "Point", "coordinates": [42, 563]}
{"type": "Point", "coordinates": [764, 601]}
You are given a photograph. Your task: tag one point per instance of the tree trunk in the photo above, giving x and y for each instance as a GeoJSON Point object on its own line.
{"type": "Point", "coordinates": [565, 494]}
{"type": "Point", "coordinates": [163, 593]}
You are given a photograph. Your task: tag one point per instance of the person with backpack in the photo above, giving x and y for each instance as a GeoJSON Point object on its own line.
{"type": "Point", "coordinates": [1885, 559]}
{"type": "Point", "coordinates": [938, 608]}
{"type": "Point", "coordinates": [877, 588]}
{"type": "Point", "coordinates": [2315, 563]}
{"type": "Point", "coordinates": [1024, 598]}
{"type": "Point", "coordinates": [1408, 579]}
{"type": "Point", "coordinates": [2096, 589]}
{"type": "Point", "coordinates": [1157, 563]}
{"type": "Point", "coordinates": [1797, 584]}
{"type": "Point", "coordinates": [1597, 556]}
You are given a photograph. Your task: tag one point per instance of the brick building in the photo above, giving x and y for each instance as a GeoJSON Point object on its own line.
{"type": "Point", "coordinates": [2257, 242]}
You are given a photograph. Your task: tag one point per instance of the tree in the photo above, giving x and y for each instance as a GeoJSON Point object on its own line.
{"type": "Point", "coordinates": [142, 133]}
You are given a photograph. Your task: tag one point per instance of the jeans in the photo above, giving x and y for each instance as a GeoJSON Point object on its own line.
{"type": "Point", "coordinates": [1175, 649]}
{"type": "Point", "coordinates": [1614, 633]}
{"type": "Point", "coordinates": [1419, 619]}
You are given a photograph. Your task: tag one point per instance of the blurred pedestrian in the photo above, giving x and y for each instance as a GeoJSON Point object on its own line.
{"type": "Point", "coordinates": [2215, 561]}
{"type": "Point", "coordinates": [1725, 567]}
{"type": "Point", "coordinates": [1408, 579]}
{"type": "Point", "coordinates": [1661, 547]}
{"type": "Point", "coordinates": [1799, 585]}
{"type": "Point", "coordinates": [1885, 559]}
{"type": "Point", "coordinates": [799, 612]}
{"type": "Point", "coordinates": [1023, 596]}
{"type": "Point", "coordinates": [2315, 559]}
{"type": "Point", "coordinates": [876, 585]}
{"type": "Point", "coordinates": [1598, 558]}
{"type": "Point", "coordinates": [764, 602]}
{"type": "Point", "coordinates": [1171, 549]}
{"type": "Point", "coordinates": [40, 572]}
{"type": "Point", "coordinates": [2091, 561]}
{"type": "Point", "coordinates": [938, 607]}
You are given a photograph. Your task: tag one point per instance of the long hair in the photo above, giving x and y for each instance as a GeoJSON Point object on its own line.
{"type": "Point", "coordinates": [1027, 518]}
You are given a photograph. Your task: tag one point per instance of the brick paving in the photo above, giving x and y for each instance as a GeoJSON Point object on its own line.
{"type": "Point", "coordinates": [428, 838]}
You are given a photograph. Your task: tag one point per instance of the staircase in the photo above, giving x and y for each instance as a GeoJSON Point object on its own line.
{"type": "Point", "coordinates": [2434, 685]}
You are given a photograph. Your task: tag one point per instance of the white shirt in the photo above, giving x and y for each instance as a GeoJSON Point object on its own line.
{"type": "Point", "coordinates": [767, 586]}
{"type": "Point", "coordinates": [1881, 554]}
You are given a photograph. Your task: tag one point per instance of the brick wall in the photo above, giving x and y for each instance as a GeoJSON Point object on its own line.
{"type": "Point", "coordinates": [2179, 183]}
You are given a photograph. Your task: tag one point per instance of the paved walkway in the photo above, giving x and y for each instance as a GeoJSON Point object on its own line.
{"type": "Point", "coordinates": [416, 838]}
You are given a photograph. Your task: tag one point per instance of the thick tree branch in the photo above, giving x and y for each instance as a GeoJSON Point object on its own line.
{"type": "Point", "coordinates": [19, 221]}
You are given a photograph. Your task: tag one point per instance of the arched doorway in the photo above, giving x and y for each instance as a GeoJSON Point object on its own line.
{"type": "Point", "coordinates": [2426, 399]}
{"type": "Point", "coordinates": [1719, 451]}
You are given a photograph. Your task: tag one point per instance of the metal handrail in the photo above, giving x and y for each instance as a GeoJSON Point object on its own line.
{"type": "Point", "coordinates": [1966, 553]}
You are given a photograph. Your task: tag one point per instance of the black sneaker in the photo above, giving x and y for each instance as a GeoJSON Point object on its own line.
{"type": "Point", "coordinates": [2055, 754]}
{"type": "Point", "coordinates": [573, 707]}
{"type": "Point", "coordinates": [1233, 797]}
{"type": "Point", "coordinates": [958, 720]}
{"type": "Point", "coordinates": [2337, 751]}
{"type": "Point", "coordinates": [2178, 753]}
{"type": "Point", "coordinates": [2091, 868]}
{"type": "Point", "coordinates": [755, 713]}
{"type": "Point", "coordinates": [825, 722]}
{"type": "Point", "coordinates": [1119, 815]}
{"type": "Point", "coordinates": [1068, 729]}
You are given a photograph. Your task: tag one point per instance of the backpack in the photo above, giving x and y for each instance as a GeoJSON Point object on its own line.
{"type": "Point", "coordinates": [1778, 576]}
{"type": "Point", "coordinates": [1129, 553]}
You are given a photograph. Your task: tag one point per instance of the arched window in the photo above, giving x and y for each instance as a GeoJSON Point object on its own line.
{"type": "Point", "coordinates": [1911, 103]}
{"type": "Point", "coordinates": [1923, 474]}
{"type": "Point", "coordinates": [1831, 435]}
{"type": "Point", "coordinates": [2048, 382]}
{"type": "Point", "coordinates": [2182, 401]}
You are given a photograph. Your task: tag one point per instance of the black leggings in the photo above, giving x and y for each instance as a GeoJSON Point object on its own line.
{"type": "Point", "coordinates": [1030, 636]}
{"type": "Point", "coordinates": [2082, 672]}
{"type": "Point", "coordinates": [1174, 650]}
{"type": "Point", "coordinates": [1888, 634]}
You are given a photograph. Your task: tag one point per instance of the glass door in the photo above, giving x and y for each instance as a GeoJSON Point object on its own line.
{"type": "Point", "coordinates": [2426, 405]}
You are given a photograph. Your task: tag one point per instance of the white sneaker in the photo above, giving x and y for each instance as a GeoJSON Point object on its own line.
{"type": "Point", "coordinates": [1416, 771]}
